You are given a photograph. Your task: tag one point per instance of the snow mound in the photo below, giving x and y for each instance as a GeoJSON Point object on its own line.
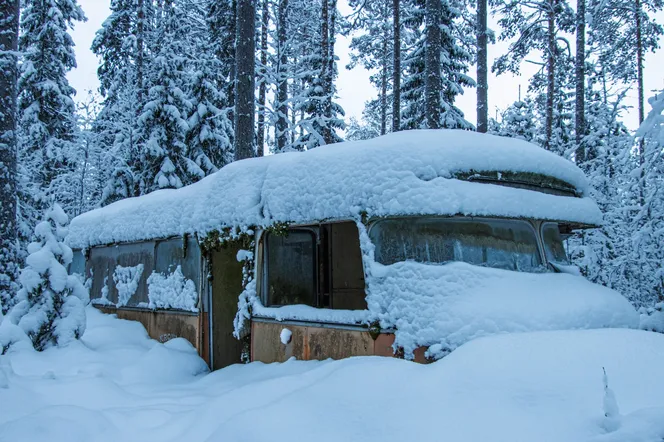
{"type": "Point", "coordinates": [544, 386]}
{"type": "Point", "coordinates": [409, 172]}
{"type": "Point", "coordinates": [444, 306]}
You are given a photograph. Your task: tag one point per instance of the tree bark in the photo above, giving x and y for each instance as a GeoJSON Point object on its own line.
{"type": "Point", "coordinates": [580, 117]}
{"type": "Point", "coordinates": [262, 89]}
{"type": "Point", "coordinates": [551, 71]}
{"type": "Point", "coordinates": [639, 79]}
{"type": "Point", "coordinates": [9, 19]}
{"type": "Point", "coordinates": [482, 68]}
{"type": "Point", "coordinates": [245, 46]}
{"type": "Point", "coordinates": [396, 79]}
{"type": "Point", "coordinates": [383, 91]}
{"type": "Point", "coordinates": [324, 110]}
{"type": "Point", "coordinates": [140, 59]}
{"type": "Point", "coordinates": [281, 127]}
{"type": "Point", "coordinates": [432, 63]}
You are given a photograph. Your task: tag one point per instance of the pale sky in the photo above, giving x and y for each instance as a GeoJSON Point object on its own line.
{"type": "Point", "coordinates": [353, 86]}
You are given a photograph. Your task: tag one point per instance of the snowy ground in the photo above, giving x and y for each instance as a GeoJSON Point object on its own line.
{"type": "Point", "coordinates": [118, 385]}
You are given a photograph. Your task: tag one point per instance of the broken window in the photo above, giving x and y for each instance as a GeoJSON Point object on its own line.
{"type": "Point", "coordinates": [503, 244]}
{"type": "Point", "coordinates": [319, 266]}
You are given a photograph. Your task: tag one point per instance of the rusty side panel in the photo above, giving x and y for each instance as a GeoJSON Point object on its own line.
{"type": "Point", "coordinates": [103, 261]}
{"type": "Point", "coordinates": [160, 325]}
{"type": "Point", "coordinates": [318, 343]}
{"type": "Point", "coordinates": [307, 343]}
{"type": "Point", "coordinates": [226, 283]}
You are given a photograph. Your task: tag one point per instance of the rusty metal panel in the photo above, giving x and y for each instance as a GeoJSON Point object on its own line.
{"type": "Point", "coordinates": [77, 264]}
{"type": "Point", "coordinates": [162, 326]}
{"type": "Point", "coordinates": [104, 260]}
{"type": "Point", "coordinates": [348, 287]}
{"type": "Point", "coordinates": [307, 342]}
{"type": "Point", "coordinates": [226, 283]}
{"type": "Point", "coordinates": [171, 253]}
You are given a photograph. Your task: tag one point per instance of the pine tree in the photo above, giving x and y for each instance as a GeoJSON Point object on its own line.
{"type": "Point", "coordinates": [9, 25]}
{"type": "Point", "coordinates": [51, 307]}
{"type": "Point", "coordinates": [518, 121]}
{"type": "Point", "coordinates": [47, 110]}
{"type": "Point", "coordinates": [162, 125]}
{"type": "Point", "coordinates": [482, 67]}
{"type": "Point", "coordinates": [454, 60]}
{"type": "Point", "coordinates": [371, 48]}
{"type": "Point", "coordinates": [320, 116]}
{"type": "Point", "coordinates": [535, 26]}
{"type": "Point", "coordinates": [209, 138]}
{"type": "Point", "coordinates": [245, 46]}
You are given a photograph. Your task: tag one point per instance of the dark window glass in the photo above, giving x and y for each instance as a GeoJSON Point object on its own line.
{"type": "Point", "coordinates": [553, 244]}
{"type": "Point", "coordinates": [291, 268]}
{"type": "Point", "coordinates": [503, 244]}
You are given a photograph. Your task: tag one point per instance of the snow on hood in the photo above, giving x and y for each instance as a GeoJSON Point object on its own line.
{"type": "Point", "coordinates": [409, 172]}
{"type": "Point", "coordinates": [444, 306]}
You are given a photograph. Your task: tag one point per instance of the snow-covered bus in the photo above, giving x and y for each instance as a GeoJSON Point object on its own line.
{"type": "Point", "coordinates": [409, 244]}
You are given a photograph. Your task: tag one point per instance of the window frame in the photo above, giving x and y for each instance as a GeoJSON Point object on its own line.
{"type": "Point", "coordinates": [264, 253]}
{"type": "Point", "coordinates": [542, 225]}
{"type": "Point", "coordinates": [533, 224]}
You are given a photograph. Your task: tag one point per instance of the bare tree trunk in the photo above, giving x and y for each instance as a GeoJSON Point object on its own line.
{"type": "Point", "coordinates": [262, 89]}
{"type": "Point", "coordinates": [551, 73]}
{"type": "Point", "coordinates": [482, 68]}
{"type": "Point", "coordinates": [140, 59]}
{"type": "Point", "coordinates": [383, 89]}
{"type": "Point", "coordinates": [580, 120]}
{"type": "Point", "coordinates": [9, 18]}
{"type": "Point", "coordinates": [639, 79]}
{"type": "Point", "coordinates": [432, 63]}
{"type": "Point", "coordinates": [245, 46]}
{"type": "Point", "coordinates": [396, 79]}
{"type": "Point", "coordinates": [281, 126]}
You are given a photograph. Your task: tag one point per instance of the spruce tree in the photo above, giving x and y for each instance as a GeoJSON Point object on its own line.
{"type": "Point", "coordinates": [46, 109]}
{"type": "Point", "coordinates": [9, 25]}
{"type": "Point", "coordinates": [162, 125]}
{"type": "Point", "coordinates": [51, 307]}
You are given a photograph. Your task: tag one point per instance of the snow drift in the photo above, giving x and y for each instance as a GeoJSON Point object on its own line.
{"type": "Point", "coordinates": [116, 384]}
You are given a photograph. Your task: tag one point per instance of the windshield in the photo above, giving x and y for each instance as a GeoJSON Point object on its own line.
{"type": "Point", "coordinates": [503, 244]}
{"type": "Point", "coordinates": [553, 244]}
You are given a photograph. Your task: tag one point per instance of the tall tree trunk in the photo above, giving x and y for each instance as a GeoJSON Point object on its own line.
{"type": "Point", "coordinates": [396, 79]}
{"type": "Point", "coordinates": [9, 18]}
{"type": "Point", "coordinates": [482, 68]}
{"type": "Point", "coordinates": [281, 127]}
{"type": "Point", "coordinates": [383, 91]}
{"type": "Point", "coordinates": [331, 74]}
{"type": "Point", "coordinates": [140, 59]}
{"type": "Point", "coordinates": [245, 46]}
{"type": "Point", "coordinates": [432, 63]}
{"type": "Point", "coordinates": [551, 73]}
{"type": "Point", "coordinates": [580, 117]}
{"type": "Point", "coordinates": [324, 109]}
{"type": "Point", "coordinates": [639, 78]}
{"type": "Point", "coordinates": [262, 89]}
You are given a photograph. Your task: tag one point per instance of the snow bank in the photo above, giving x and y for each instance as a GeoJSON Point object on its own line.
{"type": "Point", "coordinates": [409, 172]}
{"type": "Point", "coordinates": [445, 306]}
{"type": "Point", "coordinates": [544, 387]}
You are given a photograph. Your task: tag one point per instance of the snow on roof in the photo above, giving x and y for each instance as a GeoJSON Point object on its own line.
{"type": "Point", "coordinates": [408, 172]}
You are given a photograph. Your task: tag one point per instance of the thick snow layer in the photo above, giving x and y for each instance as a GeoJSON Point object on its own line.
{"type": "Point", "coordinates": [116, 384]}
{"type": "Point", "coordinates": [172, 290]}
{"type": "Point", "coordinates": [445, 306]}
{"type": "Point", "coordinates": [408, 172]}
{"type": "Point", "coordinates": [126, 281]}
